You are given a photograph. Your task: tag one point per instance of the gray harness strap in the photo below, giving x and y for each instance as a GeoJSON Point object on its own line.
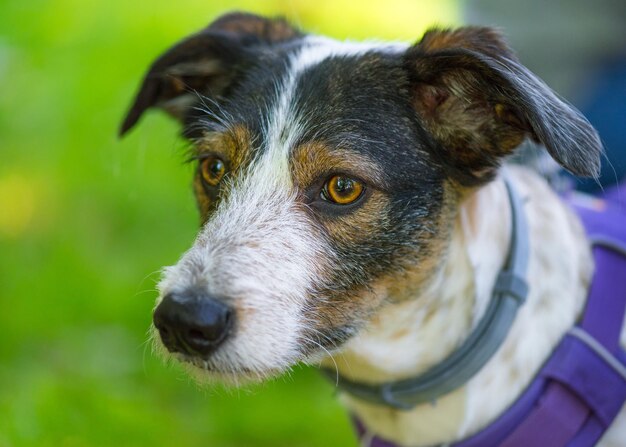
{"type": "Point", "coordinates": [509, 293]}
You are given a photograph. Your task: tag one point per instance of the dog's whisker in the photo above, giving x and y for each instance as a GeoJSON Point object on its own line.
{"type": "Point", "coordinates": [151, 274]}
{"type": "Point", "coordinates": [332, 358]}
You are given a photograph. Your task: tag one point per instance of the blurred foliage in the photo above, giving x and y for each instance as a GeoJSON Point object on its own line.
{"type": "Point", "coordinates": [86, 221]}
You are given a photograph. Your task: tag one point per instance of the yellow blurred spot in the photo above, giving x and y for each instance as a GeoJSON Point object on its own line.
{"type": "Point", "coordinates": [390, 19]}
{"type": "Point", "coordinates": [17, 204]}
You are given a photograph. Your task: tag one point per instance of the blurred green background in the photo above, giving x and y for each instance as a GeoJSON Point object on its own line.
{"type": "Point", "coordinates": [87, 221]}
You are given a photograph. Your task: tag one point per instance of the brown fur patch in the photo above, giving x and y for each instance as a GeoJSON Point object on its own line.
{"type": "Point", "coordinates": [316, 162]}
{"type": "Point", "coordinates": [204, 201]}
{"type": "Point", "coordinates": [465, 104]}
{"type": "Point", "coordinates": [357, 225]}
{"type": "Point", "coordinates": [485, 40]}
{"type": "Point", "coordinates": [477, 133]}
{"type": "Point", "coordinates": [269, 30]}
{"type": "Point", "coordinates": [310, 161]}
{"type": "Point", "coordinates": [233, 147]}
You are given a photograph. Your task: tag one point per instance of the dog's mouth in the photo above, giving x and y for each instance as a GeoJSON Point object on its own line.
{"type": "Point", "coordinates": [320, 343]}
{"type": "Point", "coordinates": [227, 367]}
{"type": "Point", "coordinates": [211, 368]}
{"type": "Point", "coordinates": [210, 372]}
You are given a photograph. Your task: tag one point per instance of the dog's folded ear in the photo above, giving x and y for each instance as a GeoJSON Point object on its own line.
{"type": "Point", "coordinates": [205, 64]}
{"type": "Point", "coordinates": [478, 103]}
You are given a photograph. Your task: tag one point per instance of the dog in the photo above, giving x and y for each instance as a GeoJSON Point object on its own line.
{"type": "Point", "coordinates": [355, 214]}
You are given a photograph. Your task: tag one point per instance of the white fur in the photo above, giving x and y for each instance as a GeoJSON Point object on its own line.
{"type": "Point", "coordinates": [245, 255]}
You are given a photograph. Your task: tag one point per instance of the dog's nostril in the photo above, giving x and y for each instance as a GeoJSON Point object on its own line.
{"type": "Point", "coordinates": [197, 336]}
{"type": "Point", "coordinates": [203, 342]}
{"type": "Point", "coordinates": [192, 323]}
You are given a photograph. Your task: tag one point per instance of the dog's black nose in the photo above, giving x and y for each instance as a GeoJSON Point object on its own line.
{"type": "Point", "coordinates": [192, 323]}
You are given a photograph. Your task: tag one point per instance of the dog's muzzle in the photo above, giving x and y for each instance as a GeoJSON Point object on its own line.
{"type": "Point", "coordinates": [192, 322]}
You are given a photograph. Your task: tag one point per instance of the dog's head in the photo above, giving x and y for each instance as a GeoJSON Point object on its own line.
{"type": "Point", "coordinates": [327, 173]}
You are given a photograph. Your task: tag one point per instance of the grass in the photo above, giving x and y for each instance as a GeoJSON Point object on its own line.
{"type": "Point", "coordinates": [87, 221]}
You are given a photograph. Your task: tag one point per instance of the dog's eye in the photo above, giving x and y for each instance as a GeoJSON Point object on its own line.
{"type": "Point", "coordinates": [212, 169]}
{"type": "Point", "coordinates": [342, 190]}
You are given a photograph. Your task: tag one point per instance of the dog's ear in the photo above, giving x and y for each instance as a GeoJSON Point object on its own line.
{"type": "Point", "coordinates": [205, 63]}
{"type": "Point", "coordinates": [478, 103]}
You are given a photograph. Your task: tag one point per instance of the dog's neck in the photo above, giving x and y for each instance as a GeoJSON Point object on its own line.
{"type": "Point", "coordinates": [416, 332]}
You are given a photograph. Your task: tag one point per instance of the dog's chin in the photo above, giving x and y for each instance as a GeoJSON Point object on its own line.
{"type": "Point", "coordinates": [204, 374]}
{"type": "Point", "coordinates": [207, 373]}
{"type": "Point", "coordinates": [210, 373]}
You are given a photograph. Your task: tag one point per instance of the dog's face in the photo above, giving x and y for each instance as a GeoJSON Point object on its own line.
{"type": "Point", "coordinates": [328, 174]}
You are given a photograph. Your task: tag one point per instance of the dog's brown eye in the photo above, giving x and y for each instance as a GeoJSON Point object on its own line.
{"type": "Point", "coordinates": [213, 169]}
{"type": "Point", "coordinates": [342, 190]}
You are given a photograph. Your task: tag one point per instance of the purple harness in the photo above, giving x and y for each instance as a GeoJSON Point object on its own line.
{"type": "Point", "coordinates": [582, 386]}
